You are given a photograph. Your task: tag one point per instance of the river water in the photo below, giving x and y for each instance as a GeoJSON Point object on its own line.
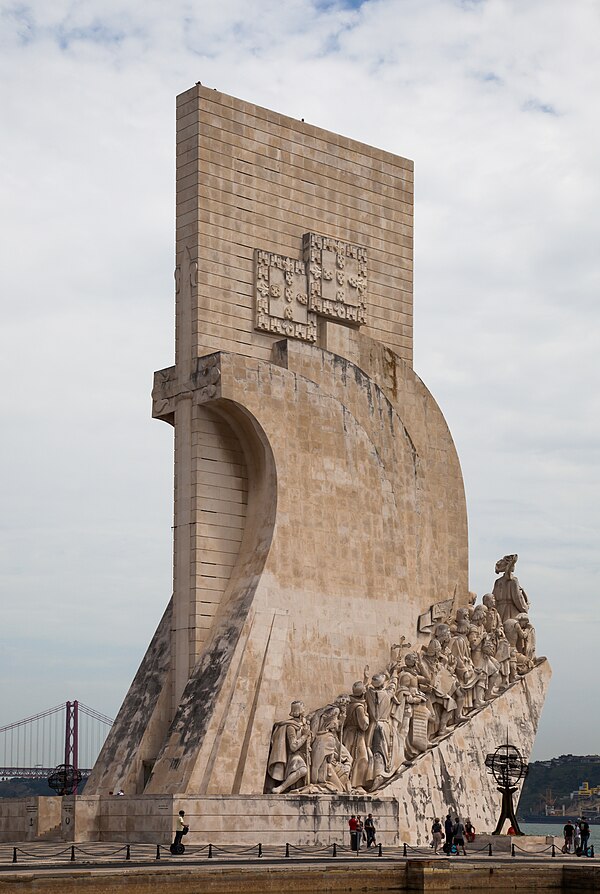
{"type": "Point", "coordinates": [556, 829]}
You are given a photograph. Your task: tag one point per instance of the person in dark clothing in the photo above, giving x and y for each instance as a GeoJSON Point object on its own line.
{"type": "Point", "coordinates": [585, 835]}
{"type": "Point", "coordinates": [448, 831]}
{"type": "Point", "coordinates": [568, 832]}
{"type": "Point", "coordinates": [370, 830]}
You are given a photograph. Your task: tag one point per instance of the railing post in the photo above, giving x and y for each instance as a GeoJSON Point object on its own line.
{"type": "Point", "coordinates": [489, 848]}
{"type": "Point", "coordinates": [334, 854]}
{"type": "Point", "coordinates": [128, 853]}
{"type": "Point", "coordinates": [210, 851]}
{"type": "Point", "coordinates": [14, 859]}
{"type": "Point", "coordinates": [513, 852]}
{"type": "Point", "coordinates": [158, 851]}
{"type": "Point", "coordinates": [380, 851]}
{"type": "Point", "coordinates": [404, 849]}
{"type": "Point", "coordinates": [260, 850]}
{"type": "Point", "coordinates": [287, 849]}
{"type": "Point", "coordinates": [72, 853]}
{"type": "Point", "coordinates": [553, 850]}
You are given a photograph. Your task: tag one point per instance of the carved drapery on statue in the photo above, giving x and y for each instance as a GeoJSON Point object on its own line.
{"type": "Point", "coordinates": [361, 742]}
{"type": "Point", "coordinates": [511, 599]}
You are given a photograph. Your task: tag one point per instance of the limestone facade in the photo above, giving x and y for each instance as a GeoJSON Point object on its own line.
{"type": "Point", "coordinates": [319, 508]}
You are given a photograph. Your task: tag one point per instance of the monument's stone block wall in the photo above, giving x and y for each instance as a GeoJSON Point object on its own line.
{"type": "Point", "coordinates": [320, 520]}
{"type": "Point", "coordinates": [252, 183]}
{"type": "Point", "coordinates": [368, 527]}
{"type": "Point", "coordinates": [249, 178]}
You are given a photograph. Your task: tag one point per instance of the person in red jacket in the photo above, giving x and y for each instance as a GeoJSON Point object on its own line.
{"type": "Point", "coordinates": [353, 826]}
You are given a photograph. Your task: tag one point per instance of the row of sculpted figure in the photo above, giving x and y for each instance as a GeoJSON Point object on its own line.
{"type": "Point", "coordinates": [360, 741]}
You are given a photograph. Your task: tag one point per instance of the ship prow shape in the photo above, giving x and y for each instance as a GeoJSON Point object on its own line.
{"type": "Point", "coordinates": [332, 554]}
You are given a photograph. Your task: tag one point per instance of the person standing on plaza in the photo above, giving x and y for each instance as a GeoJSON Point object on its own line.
{"type": "Point", "coordinates": [448, 830]}
{"type": "Point", "coordinates": [568, 831]}
{"type": "Point", "coordinates": [458, 833]}
{"type": "Point", "coordinates": [436, 834]}
{"type": "Point", "coordinates": [370, 830]}
{"type": "Point", "coordinates": [353, 826]}
{"type": "Point", "coordinates": [585, 835]}
{"type": "Point", "coordinates": [360, 832]}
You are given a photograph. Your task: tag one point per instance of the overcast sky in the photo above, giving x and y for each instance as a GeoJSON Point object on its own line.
{"type": "Point", "coordinates": [497, 104]}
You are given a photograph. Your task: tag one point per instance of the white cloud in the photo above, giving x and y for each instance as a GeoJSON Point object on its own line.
{"type": "Point", "coordinates": [494, 101]}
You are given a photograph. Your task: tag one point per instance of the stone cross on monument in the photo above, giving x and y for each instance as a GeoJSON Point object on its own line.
{"type": "Point", "coordinates": [330, 282]}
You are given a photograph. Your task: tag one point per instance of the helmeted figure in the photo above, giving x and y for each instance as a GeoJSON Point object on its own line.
{"type": "Point", "coordinates": [511, 599]}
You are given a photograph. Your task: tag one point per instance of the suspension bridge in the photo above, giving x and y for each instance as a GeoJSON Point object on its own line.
{"type": "Point", "coordinates": [69, 735]}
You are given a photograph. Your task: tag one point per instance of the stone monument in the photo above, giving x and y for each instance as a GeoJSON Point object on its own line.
{"type": "Point", "coordinates": [321, 653]}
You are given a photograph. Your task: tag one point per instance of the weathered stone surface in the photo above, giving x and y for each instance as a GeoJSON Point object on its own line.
{"type": "Point", "coordinates": [453, 776]}
{"type": "Point", "coordinates": [141, 723]}
{"type": "Point", "coordinates": [319, 511]}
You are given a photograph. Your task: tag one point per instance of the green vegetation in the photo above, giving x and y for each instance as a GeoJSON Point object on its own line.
{"type": "Point", "coordinates": [552, 782]}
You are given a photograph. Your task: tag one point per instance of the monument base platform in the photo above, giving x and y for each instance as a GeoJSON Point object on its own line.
{"type": "Point", "coordinates": [449, 777]}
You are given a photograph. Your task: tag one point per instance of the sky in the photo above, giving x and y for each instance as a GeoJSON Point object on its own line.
{"type": "Point", "coordinates": [496, 101]}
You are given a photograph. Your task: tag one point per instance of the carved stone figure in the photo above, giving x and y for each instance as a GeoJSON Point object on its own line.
{"type": "Point", "coordinates": [447, 658]}
{"type": "Point", "coordinates": [354, 735]}
{"type": "Point", "coordinates": [438, 684]}
{"type": "Point", "coordinates": [289, 758]}
{"type": "Point", "coordinates": [463, 613]}
{"type": "Point", "coordinates": [493, 621]}
{"type": "Point", "coordinates": [528, 637]}
{"type": "Point", "coordinates": [381, 736]}
{"type": "Point", "coordinates": [521, 636]}
{"type": "Point", "coordinates": [358, 743]}
{"type": "Point", "coordinates": [490, 668]}
{"type": "Point", "coordinates": [511, 599]}
{"type": "Point", "coordinates": [466, 672]}
{"type": "Point", "coordinates": [503, 657]}
{"type": "Point", "coordinates": [476, 637]}
{"type": "Point", "coordinates": [331, 762]}
{"type": "Point", "coordinates": [412, 712]}
{"type": "Point", "coordinates": [479, 616]}
{"type": "Point", "coordinates": [316, 718]}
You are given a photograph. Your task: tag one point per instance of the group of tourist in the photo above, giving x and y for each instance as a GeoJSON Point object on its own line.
{"type": "Point", "coordinates": [361, 831]}
{"type": "Point", "coordinates": [576, 836]}
{"type": "Point", "coordinates": [455, 833]}
{"type": "Point", "coordinates": [360, 741]}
